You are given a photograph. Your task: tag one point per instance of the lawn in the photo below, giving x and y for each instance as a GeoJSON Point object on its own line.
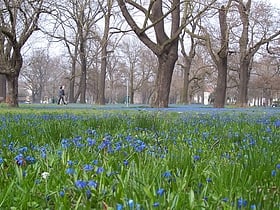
{"type": "Point", "coordinates": [85, 157]}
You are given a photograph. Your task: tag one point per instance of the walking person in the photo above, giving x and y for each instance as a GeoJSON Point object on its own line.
{"type": "Point", "coordinates": [61, 95]}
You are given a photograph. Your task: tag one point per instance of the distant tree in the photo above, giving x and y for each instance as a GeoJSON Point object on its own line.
{"type": "Point", "coordinates": [18, 21]}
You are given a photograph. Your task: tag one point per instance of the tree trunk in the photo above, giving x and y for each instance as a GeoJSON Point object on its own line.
{"type": "Point", "coordinates": [102, 77]}
{"type": "Point", "coordinates": [72, 83]}
{"type": "Point", "coordinates": [186, 83]}
{"type": "Point", "coordinates": [220, 94]}
{"type": "Point", "coordinates": [243, 83]}
{"type": "Point", "coordinates": [12, 97]}
{"type": "Point", "coordinates": [3, 88]}
{"type": "Point", "coordinates": [163, 79]}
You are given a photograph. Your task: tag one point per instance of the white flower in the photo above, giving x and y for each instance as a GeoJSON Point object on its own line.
{"type": "Point", "coordinates": [45, 175]}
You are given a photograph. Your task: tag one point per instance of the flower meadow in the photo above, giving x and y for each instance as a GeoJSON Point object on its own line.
{"type": "Point", "coordinates": [140, 160]}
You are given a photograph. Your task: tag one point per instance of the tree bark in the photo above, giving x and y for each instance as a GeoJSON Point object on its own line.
{"type": "Point", "coordinates": [221, 62]}
{"type": "Point", "coordinates": [163, 79]}
{"type": "Point", "coordinates": [12, 81]}
{"type": "Point", "coordinates": [104, 54]}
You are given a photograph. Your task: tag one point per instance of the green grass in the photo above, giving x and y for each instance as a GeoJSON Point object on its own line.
{"type": "Point", "coordinates": [98, 159]}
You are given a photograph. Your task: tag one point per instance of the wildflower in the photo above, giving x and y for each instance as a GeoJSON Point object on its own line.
{"type": "Point", "coordinates": [45, 175]}
{"type": "Point", "coordinates": [160, 191]}
{"type": "Point", "coordinates": [62, 193]}
{"type": "Point", "coordinates": [253, 207]}
{"type": "Point", "coordinates": [70, 171]}
{"type": "Point", "coordinates": [119, 206]}
{"type": "Point", "coordinates": [88, 194]}
{"type": "Point", "coordinates": [22, 149]}
{"type": "Point", "coordinates": [92, 183]}
{"type": "Point", "coordinates": [277, 123]}
{"type": "Point", "coordinates": [208, 180]}
{"type": "Point", "coordinates": [273, 173]}
{"type": "Point", "coordinates": [196, 157]}
{"type": "Point", "coordinates": [225, 200]}
{"type": "Point", "coordinates": [241, 203]}
{"type": "Point", "coordinates": [70, 162]}
{"type": "Point", "coordinates": [278, 166]}
{"type": "Point", "coordinates": [99, 170]}
{"type": "Point", "coordinates": [30, 159]}
{"type": "Point", "coordinates": [20, 160]}
{"type": "Point", "coordinates": [1, 160]}
{"type": "Point", "coordinates": [125, 162]}
{"type": "Point", "coordinates": [156, 204]}
{"type": "Point", "coordinates": [167, 174]}
{"type": "Point", "coordinates": [130, 203]}
{"type": "Point", "coordinates": [90, 141]}
{"type": "Point", "coordinates": [88, 167]}
{"type": "Point", "coordinates": [80, 184]}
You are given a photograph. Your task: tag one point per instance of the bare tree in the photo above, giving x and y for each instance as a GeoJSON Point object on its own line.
{"type": "Point", "coordinates": [107, 13]}
{"type": "Point", "coordinates": [254, 34]}
{"type": "Point", "coordinates": [155, 16]}
{"type": "Point", "coordinates": [18, 21]}
{"type": "Point", "coordinates": [75, 24]}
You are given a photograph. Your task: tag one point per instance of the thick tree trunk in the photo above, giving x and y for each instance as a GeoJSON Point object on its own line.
{"type": "Point", "coordinates": [12, 96]}
{"type": "Point", "coordinates": [243, 84]}
{"type": "Point", "coordinates": [163, 80]}
{"type": "Point", "coordinates": [3, 88]}
{"type": "Point", "coordinates": [220, 94]}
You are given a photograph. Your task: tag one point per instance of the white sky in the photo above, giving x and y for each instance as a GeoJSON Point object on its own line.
{"type": "Point", "coordinates": [275, 3]}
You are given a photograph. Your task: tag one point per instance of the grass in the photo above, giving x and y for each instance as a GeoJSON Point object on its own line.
{"type": "Point", "coordinates": [71, 158]}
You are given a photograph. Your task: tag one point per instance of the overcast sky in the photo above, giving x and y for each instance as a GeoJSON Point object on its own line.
{"type": "Point", "coordinates": [275, 3]}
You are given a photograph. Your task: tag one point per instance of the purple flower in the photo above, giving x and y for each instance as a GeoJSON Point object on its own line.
{"type": "Point", "coordinates": [125, 162]}
{"type": "Point", "coordinates": [278, 166]}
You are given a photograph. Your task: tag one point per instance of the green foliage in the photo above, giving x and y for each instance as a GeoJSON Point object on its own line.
{"type": "Point", "coordinates": [139, 160]}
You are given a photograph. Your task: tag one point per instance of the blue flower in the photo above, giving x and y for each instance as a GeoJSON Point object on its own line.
{"type": "Point", "coordinates": [70, 171]}
{"type": "Point", "coordinates": [278, 166]}
{"type": "Point", "coordinates": [119, 206]}
{"type": "Point", "coordinates": [273, 173]}
{"type": "Point", "coordinates": [241, 203]}
{"type": "Point", "coordinates": [92, 184]}
{"type": "Point", "coordinates": [277, 123]}
{"type": "Point", "coordinates": [62, 193]}
{"type": "Point", "coordinates": [130, 203]}
{"type": "Point", "coordinates": [88, 194]}
{"type": "Point", "coordinates": [208, 180]}
{"type": "Point", "coordinates": [125, 162]}
{"type": "Point", "coordinates": [80, 184]}
{"type": "Point", "coordinates": [156, 204]}
{"type": "Point", "coordinates": [91, 142]}
{"type": "Point", "coordinates": [88, 167]}
{"type": "Point", "coordinates": [167, 174]}
{"type": "Point", "coordinates": [160, 191]}
{"type": "Point", "coordinates": [196, 157]}
{"type": "Point", "coordinates": [1, 160]}
{"type": "Point", "coordinates": [99, 170]}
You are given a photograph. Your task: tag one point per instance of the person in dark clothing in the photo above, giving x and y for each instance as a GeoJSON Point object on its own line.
{"type": "Point", "coordinates": [61, 95]}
